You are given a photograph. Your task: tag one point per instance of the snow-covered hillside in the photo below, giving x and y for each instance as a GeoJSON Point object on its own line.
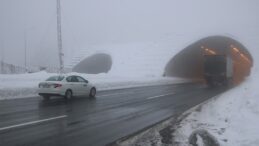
{"type": "Point", "coordinates": [143, 59]}
{"type": "Point", "coordinates": [137, 59]}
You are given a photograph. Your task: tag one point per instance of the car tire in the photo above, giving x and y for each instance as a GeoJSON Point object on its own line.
{"type": "Point", "coordinates": [92, 93]}
{"type": "Point", "coordinates": [68, 94]}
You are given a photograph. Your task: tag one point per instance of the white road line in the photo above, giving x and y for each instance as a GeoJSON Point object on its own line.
{"type": "Point", "coordinates": [114, 94]}
{"type": "Point", "coordinates": [159, 96]}
{"type": "Point", "coordinates": [33, 122]}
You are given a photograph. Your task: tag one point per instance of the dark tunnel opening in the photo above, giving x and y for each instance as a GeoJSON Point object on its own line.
{"type": "Point", "coordinates": [217, 60]}
{"type": "Point", "coordinates": [95, 64]}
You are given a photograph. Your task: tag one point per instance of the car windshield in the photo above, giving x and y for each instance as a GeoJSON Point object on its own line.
{"type": "Point", "coordinates": [55, 78]}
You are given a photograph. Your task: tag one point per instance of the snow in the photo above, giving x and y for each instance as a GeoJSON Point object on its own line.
{"type": "Point", "coordinates": [25, 85]}
{"type": "Point", "coordinates": [139, 64]}
{"type": "Point", "coordinates": [232, 117]}
{"type": "Point", "coordinates": [137, 58]}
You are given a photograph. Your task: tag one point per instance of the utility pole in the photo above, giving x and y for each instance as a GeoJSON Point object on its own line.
{"type": "Point", "coordinates": [2, 57]}
{"type": "Point", "coordinates": [25, 51]}
{"type": "Point", "coordinates": [59, 37]}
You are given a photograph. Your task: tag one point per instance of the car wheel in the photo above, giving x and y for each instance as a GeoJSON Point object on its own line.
{"type": "Point", "coordinates": [69, 94]}
{"type": "Point", "coordinates": [92, 92]}
{"type": "Point", "coordinates": [45, 97]}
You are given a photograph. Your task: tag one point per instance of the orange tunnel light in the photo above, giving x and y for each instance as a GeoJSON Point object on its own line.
{"type": "Point", "coordinates": [235, 49]}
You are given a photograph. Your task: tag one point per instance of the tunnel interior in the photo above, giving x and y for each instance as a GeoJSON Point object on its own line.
{"type": "Point", "coordinates": [214, 59]}
{"type": "Point", "coordinates": [95, 64]}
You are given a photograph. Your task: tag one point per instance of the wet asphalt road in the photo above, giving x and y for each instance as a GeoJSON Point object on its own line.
{"type": "Point", "coordinates": [83, 121]}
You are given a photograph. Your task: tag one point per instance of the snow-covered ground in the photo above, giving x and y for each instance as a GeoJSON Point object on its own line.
{"type": "Point", "coordinates": [133, 64]}
{"type": "Point", "coordinates": [232, 118]}
{"type": "Point", "coordinates": [25, 85]}
{"type": "Point", "coordinates": [229, 119]}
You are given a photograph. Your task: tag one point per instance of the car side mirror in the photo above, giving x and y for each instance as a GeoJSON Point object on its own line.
{"type": "Point", "coordinates": [86, 81]}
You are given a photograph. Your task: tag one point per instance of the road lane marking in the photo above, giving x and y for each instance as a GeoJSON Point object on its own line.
{"type": "Point", "coordinates": [160, 96]}
{"type": "Point", "coordinates": [32, 123]}
{"type": "Point", "coordinates": [114, 94]}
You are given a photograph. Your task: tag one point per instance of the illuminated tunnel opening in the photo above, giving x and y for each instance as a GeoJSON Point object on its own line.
{"type": "Point", "coordinates": [95, 64]}
{"type": "Point", "coordinates": [217, 60]}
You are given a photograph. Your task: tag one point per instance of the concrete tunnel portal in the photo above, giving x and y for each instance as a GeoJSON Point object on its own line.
{"type": "Point", "coordinates": [192, 61]}
{"type": "Point", "coordinates": [95, 64]}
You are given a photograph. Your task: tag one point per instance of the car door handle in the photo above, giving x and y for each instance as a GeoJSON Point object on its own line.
{"type": "Point", "coordinates": [85, 85]}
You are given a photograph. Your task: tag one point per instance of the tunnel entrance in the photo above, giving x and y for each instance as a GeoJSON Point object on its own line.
{"type": "Point", "coordinates": [95, 64]}
{"type": "Point", "coordinates": [217, 60]}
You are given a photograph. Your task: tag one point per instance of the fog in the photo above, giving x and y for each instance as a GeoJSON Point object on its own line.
{"type": "Point", "coordinates": [99, 22]}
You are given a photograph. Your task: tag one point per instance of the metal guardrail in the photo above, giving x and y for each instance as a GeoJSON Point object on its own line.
{"type": "Point", "coordinates": [6, 68]}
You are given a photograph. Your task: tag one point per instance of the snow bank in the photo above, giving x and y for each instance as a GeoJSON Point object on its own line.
{"type": "Point", "coordinates": [25, 85]}
{"type": "Point", "coordinates": [229, 119]}
{"type": "Point", "coordinates": [22, 80]}
{"type": "Point", "coordinates": [232, 117]}
{"type": "Point", "coordinates": [20, 85]}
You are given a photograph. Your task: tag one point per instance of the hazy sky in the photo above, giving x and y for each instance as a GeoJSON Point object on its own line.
{"type": "Point", "coordinates": [95, 22]}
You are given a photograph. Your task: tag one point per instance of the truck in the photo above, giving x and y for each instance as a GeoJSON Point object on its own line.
{"type": "Point", "coordinates": [218, 70]}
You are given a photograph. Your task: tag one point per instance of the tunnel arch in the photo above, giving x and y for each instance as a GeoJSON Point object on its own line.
{"type": "Point", "coordinates": [95, 64]}
{"type": "Point", "coordinates": [189, 63]}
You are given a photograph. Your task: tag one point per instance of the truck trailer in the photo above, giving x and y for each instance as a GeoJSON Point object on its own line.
{"type": "Point", "coordinates": [218, 70]}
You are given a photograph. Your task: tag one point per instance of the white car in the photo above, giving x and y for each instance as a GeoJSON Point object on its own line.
{"type": "Point", "coordinates": [66, 86]}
